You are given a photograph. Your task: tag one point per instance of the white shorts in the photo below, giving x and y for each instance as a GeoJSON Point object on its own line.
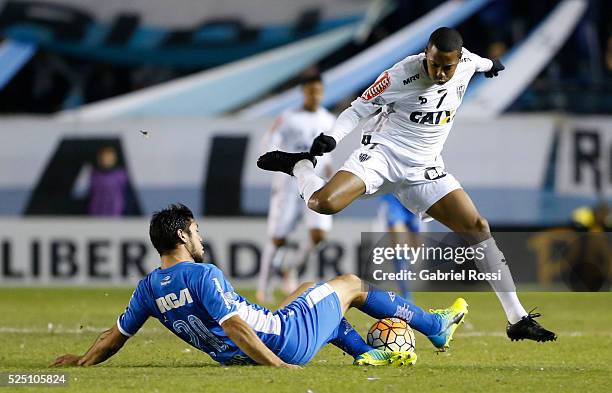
{"type": "Point", "coordinates": [417, 187]}
{"type": "Point", "coordinates": [286, 209]}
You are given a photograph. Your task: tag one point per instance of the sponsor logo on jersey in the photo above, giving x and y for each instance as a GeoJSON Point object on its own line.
{"type": "Point", "coordinates": [230, 297]}
{"type": "Point", "coordinates": [460, 91]}
{"type": "Point", "coordinates": [378, 87]}
{"type": "Point", "coordinates": [411, 79]}
{"type": "Point", "coordinates": [172, 300]}
{"type": "Point", "coordinates": [363, 157]}
{"type": "Point", "coordinates": [433, 118]}
{"type": "Point", "coordinates": [434, 173]}
{"type": "Point", "coordinates": [422, 100]}
{"type": "Point", "coordinates": [465, 59]}
{"type": "Point", "coordinates": [223, 296]}
{"type": "Point", "coordinates": [166, 280]}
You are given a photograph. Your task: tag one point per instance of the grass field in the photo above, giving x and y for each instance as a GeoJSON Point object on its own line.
{"type": "Point", "coordinates": [39, 324]}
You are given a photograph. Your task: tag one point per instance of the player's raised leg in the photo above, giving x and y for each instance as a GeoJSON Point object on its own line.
{"type": "Point", "coordinates": [350, 341]}
{"type": "Point", "coordinates": [325, 198]}
{"type": "Point", "coordinates": [457, 211]}
{"type": "Point", "coordinates": [438, 325]}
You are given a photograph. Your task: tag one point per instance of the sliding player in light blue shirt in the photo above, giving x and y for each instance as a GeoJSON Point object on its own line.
{"type": "Point", "coordinates": [197, 303]}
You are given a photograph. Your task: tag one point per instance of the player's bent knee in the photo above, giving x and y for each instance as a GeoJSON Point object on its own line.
{"type": "Point", "coordinates": [351, 279]}
{"type": "Point", "coordinates": [349, 289]}
{"type": "Point", "coordinates": [474, 225]}
{"type": "Point", "coordinates": [481, 225]}
{"type": "Point", "coordinates": [323, 204]}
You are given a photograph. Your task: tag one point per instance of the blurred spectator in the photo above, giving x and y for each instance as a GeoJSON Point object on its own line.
{"type": "Point", "coordinates": [496, 50]}
{"type": "Point", "coordinates": [578, 79]}
{"type": "Point", "coordinates": [108, 185]}
{"type": "Point", "coordinates": [588, 257]}
{"type": "Point", "coordinates": [592, 219]}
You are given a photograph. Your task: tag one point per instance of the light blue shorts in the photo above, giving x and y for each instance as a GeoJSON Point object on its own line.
{"type": "Point", "coordinates": [308, 323]}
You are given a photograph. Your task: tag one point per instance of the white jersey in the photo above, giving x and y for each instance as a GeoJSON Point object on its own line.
{"type": "Point", "coordinates": [295, 130]}
{"type": "Point", "coordinates": [416, 114]}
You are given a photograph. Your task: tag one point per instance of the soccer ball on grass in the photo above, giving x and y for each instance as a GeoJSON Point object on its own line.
{"type": "Point", "coordinates": [391, 334]}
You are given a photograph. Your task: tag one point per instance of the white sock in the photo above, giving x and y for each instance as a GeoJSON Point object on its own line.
{"type": "Point", "coordinates": [270, 258]}
{"type": "Point", "coordinates": [512, 306]}
{"type": "Point", "coordinates": [494, 262]}
{"type": "Point", "coordinates": [308, 181]}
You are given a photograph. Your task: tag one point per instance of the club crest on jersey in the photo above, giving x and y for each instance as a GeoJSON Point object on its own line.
{"type": "Point", "coordinates": [433, 118]}
{"type": "Point", "coordinates": [363, 157]}
{"type": "Point", "coordinates": [460, 91]}
{"type": "Point", "coordinates": [378, 87]}
{"type": "Point", "coordinates": [379, 101]}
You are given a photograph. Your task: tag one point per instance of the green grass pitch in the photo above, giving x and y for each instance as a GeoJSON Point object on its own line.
{"type": "Point", "coordinates": [39, 324]}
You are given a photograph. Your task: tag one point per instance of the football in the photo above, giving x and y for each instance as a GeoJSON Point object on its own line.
{"type": "Point", "coordinates": [391, 334]}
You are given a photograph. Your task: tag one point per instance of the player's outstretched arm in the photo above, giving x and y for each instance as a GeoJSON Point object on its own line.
{"type": "Point", "coordinates": [495, 69]}
{"type": "Point", "coordinates": [245, 338]}
{"type": "Point", "coordinates": [346, 122]}
{"type": "Point", "coordinates": [106, 345]}
{"type": "Point", "coordinates": [385, 90]}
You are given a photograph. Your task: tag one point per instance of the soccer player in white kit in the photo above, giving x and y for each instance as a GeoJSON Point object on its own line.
{"type": "Point", "coordinates": [294, 131]}
{"type": "Point", "coordinates": [416, 101]}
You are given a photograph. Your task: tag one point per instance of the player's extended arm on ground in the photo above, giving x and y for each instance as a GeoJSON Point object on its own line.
{"type": "Point", "coordinates": [106, 345]}
{"type": "Point", "coordinates": [245, 338]}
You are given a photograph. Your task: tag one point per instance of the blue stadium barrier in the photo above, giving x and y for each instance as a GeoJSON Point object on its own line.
{"type": "Point", "coordinates": [361, 70]}
{"type": "Point", "coordinates": [13, 56]}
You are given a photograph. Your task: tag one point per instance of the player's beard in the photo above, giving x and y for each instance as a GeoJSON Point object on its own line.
{"type": "Point", "coordinates": [197, 252]}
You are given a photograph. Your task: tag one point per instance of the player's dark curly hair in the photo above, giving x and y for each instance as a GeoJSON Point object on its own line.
{"type": "Point", "coordinates": [446, 40]}
{"type": "Point", "coordinates": [165, 223]}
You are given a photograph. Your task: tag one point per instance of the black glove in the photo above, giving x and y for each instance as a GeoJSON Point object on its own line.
{"type": "Point", "coordinates": [497, 66]}
{"type": "Point", "coordinates": [322, 144]}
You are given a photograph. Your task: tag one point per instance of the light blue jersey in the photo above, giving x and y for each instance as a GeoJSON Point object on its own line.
{"type": "Point", "coordinates": [193, 300]}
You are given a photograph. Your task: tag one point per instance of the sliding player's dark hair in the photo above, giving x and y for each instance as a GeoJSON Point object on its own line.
{"type": "Point", "coordinates": [310, 78]}
{"type": "Point", "coordinates": [164, 225]}
{"type": "Point", "coordinates": [446, 40]}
